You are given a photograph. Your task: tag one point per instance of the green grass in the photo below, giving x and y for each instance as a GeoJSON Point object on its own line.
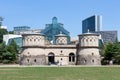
{"type": "Point", "coordinates": [60, 73]}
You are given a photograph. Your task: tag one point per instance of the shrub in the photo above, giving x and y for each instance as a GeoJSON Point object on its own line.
{"type": "Point", "coordinates": [6, 61]}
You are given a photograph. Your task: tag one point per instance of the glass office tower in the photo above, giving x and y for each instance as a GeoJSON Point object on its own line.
{"type": "Point", "coordinates": [93, 24]}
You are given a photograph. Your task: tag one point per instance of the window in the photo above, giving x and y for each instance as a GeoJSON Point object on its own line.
{"type": "Point", "coordinates": [85, 61]}
{"type": "Point", "coordinates": [71, 57]}
{"type": "Point", "coordinates": [35, 60]}
{"type": "Point", "coordinates": [93, 61]}
{"type": "Point", "coordinates": [30, 39]}
{"type": "Point", "coordinates": [92, 54]}
{"type": "Point", "coordinates": [90, 40]}
{"type": "Point", "coordinates": [28, 60]}
{"type": "Point", "coordinates": [86, 40]}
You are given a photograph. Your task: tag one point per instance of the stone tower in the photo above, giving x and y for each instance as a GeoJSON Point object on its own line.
{"type": "Point", "coordinates": [61, 39]}
{"type": "Point", "coordinates": [33, 50]}
{"type": "Point", "coordinates": [88, 50]}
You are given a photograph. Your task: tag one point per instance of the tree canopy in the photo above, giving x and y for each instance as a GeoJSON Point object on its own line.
{"type": "Point", "coordinates": [112, 52]}
{"type": "Point", "coordinates": [2, 32]}
{"type": "Point", "coordinates": [9, 52]}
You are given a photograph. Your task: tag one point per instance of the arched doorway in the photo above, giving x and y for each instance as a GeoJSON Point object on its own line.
{"type": "Point", "coordinates": [51, 57]}
{"type": "Point", "coordinates": [71, 58]}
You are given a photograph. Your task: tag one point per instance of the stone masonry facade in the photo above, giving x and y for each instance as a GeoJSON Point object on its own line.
{"type": "Point", "coordinates": [37, 52]}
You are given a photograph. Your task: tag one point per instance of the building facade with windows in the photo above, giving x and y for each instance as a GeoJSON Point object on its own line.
{"type": "Point", "coordinates": [37, 52]}
{"type": "Point", "coordinates": [107, 36]}
{"type": "Point", "coordinates": [20, 29]}
{"type": "Point", "coordinates": [93, 24]}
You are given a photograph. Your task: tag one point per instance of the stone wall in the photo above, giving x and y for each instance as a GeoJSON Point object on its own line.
{"type": "Point", "coordinates": [33, 60]}
{"type": "Point", "coordinates": [86, 41]}
{"type": "Point", "coordinates": [89, 56]}
{"type": "Point", "coordinates": [33, 40]}
{"type": "Point", "coordinates": [61, 40]}
{"type": "Point", "coordinates": [61, 54]}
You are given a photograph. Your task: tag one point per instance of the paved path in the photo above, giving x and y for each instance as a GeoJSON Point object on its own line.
{"type": "Point", "coordinates": [17, 65]}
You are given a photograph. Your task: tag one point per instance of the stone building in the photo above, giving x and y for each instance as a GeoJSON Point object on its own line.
{"type": "Point", "coordinates": [37, 52]}
{"type": "Point", "coordinates": [88, 52]}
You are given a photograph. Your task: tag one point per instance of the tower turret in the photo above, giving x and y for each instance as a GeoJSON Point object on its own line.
{"type": "Point", "coordinates": [61, 39]}
{"type": "Point", "coordinates": [88, 51]}
{"type": "Point", "coordinates": [33, 50]}
{"type": "Point", "coordinates": [33, 40]}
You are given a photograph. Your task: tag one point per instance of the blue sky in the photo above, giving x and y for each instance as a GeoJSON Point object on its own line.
{"type": "Point", "coordinates": [37, 13]}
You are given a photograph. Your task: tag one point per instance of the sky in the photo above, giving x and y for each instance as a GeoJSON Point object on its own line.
{"type": "Point", "coordinates": [37, 13]}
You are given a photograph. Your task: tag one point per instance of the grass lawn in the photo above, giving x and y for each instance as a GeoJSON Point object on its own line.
{"type": "Point", "coordinates": [59, 73]}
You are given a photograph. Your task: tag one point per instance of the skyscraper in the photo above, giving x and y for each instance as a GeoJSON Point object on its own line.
{"type": "Point", "coordinates": [93, 24]}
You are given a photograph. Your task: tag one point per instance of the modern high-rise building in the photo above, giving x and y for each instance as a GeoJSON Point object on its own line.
{"type": "Point", "coordinates": [107, 36]}
{"type": "Point", "coordinates": [93, 24]}
{"type": "Point", "coordinates": [19, 29]}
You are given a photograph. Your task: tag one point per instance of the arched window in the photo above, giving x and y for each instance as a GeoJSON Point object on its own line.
{"type": "Point", "coordinates": [71, 57]}
{"type": "Point", "coordinates": [35, 60]}
{"type": "Point", "coordinates": [28, 60]}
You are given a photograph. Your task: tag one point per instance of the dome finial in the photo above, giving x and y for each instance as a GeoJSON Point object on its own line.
{"type": "Point", "coordinates": [88, 30]}
{"type": "Point", "coordinates": [60, 32]}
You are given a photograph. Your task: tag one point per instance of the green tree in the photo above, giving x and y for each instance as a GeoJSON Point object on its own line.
{"type": "Point", "coordinates": [117, 53]}
{"type": "Point", "coordinates": [109, 52]}
{"type": "Point", "coordinates": [2, 32]}
{"type": "Point", "coordinates": [13, 49]}
{"type": "Point", "coordinates": [112, 52]}
{"type": "Point", "coordinates": [11, 32]}
{"type": "Point", "coordinates": [8, 53]}
{"type": "Point", "coordinates": [3, 49]}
